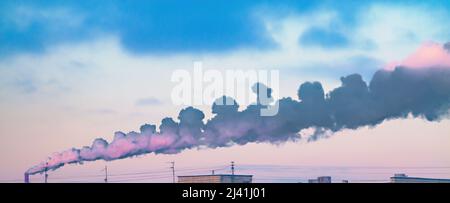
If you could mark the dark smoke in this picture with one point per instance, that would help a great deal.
(390, 94)
(447, 46)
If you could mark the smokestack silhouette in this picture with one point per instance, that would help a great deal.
(389, 95)
(27, 178)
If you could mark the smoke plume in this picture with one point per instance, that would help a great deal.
(390, 94)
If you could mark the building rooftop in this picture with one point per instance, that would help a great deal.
(404, 178)
(215, 178)
(216, 175)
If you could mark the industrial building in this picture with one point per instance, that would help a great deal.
(219, 178)
(321, 179)
(403, 178)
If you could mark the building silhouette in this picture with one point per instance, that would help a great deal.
(403, 178)
(219, 178)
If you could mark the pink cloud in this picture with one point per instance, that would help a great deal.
(428, 55)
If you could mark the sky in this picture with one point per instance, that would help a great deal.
(74, 71)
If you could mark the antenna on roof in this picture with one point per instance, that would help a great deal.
(232, 168)
(106, 174)
(45, 172)
(173, 171)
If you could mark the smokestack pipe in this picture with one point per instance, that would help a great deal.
(27, 178)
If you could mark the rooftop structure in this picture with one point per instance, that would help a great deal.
(219, 178)
(403, 178)
(321, 179)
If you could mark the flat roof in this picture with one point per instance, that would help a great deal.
(216, 175)
(418, 178)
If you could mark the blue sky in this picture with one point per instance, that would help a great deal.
(169, 26)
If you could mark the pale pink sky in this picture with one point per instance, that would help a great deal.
(429, 54)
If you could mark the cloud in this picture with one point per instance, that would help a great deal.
(428, 55)
(30, 28)
(167, 28)
(396, 29)
(25, 16)
(104, 111)
(26, 86)
(447, 46)
(323, 38)
(182, 28)
(364, 65)
(150, 101)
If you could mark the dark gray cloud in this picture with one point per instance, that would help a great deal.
(389, 95)
(447, 46)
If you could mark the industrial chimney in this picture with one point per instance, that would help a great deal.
(27, 178)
